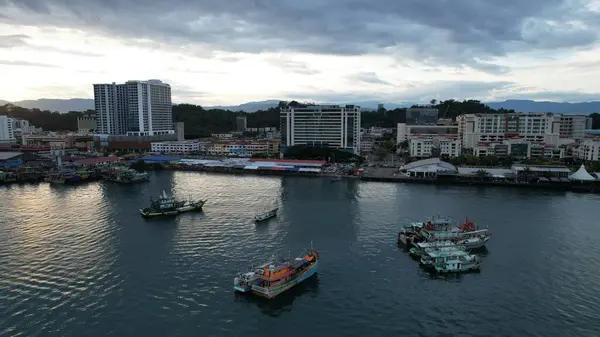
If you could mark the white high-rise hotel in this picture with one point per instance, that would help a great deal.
(136, 108)
(321, 125)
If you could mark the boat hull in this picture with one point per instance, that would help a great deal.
(275, 291)
(257, 219)
(185, 209)
(462, 269)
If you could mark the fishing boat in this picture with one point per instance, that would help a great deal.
(273, 278)
(125, 175)
(266, 215)
(166, 205)
(438, 257)
(457, 264)
(470, 240)
(421, 247)
(444, 229)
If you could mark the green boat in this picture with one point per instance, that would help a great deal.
(166, 205)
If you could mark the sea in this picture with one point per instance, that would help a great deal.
(81, 261)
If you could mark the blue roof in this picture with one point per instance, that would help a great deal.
(160, 158)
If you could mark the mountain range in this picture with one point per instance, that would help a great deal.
(82, 104)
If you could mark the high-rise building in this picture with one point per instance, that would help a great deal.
(6, 130)
(180, 131)
(321, 125)
(110, 101)
(136, 108)
(422, 116)
(475, 129)
(150, 109)
(574, 126)
(241, 124)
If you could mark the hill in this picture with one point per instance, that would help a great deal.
(545, 106)
(60, 105)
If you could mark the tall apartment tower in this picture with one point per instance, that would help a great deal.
(321, 125)
(6, 130)
(110, 101)
(150, 108)
(136, 108)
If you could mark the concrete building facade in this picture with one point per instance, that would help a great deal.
(6, 130)
(136, 108)
(332, 126)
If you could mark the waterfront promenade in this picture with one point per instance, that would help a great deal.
(316, 169)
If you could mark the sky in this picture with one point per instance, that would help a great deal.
(228, 52)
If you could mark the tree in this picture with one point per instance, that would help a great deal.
(482, 174)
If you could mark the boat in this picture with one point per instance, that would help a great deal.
(336, 178)
(470, 240)
(421, 247)
(266, 215)
(273, 278)
(125, 175)
(438, 257)
(166, 205)
(444, 229)
(67, 176)
(457, 264)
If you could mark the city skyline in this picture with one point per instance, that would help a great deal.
(214, 54)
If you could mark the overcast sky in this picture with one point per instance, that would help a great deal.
(234, 51)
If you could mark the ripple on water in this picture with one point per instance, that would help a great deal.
(78, 261)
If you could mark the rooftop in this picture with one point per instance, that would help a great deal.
(289, 161)
(9, 155)
(541, 168)
(429, 165)
(99, 160)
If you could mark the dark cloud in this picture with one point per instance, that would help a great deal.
(368, 77)
(457, 33)
(10, 41)
(27, 64)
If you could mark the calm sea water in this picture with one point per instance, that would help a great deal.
(80, 261)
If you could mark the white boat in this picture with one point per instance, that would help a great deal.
(421, 247)
(458, 264)
(266, 215)
(470, 240)
(432, 257)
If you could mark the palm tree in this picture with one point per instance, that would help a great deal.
(482, 174)
(527, 173)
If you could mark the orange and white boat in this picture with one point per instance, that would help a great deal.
(273, 278)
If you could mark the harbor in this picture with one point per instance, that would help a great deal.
(116, 268)
(430, 171)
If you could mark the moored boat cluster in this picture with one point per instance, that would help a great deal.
(443, 245)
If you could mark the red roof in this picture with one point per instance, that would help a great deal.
(91, 161)
(291, 161)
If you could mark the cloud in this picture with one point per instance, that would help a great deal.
(459, 33)
(19, 40)
(27, 64)
(292, 66)
(10, 41)
(368, 77)
(423, 92)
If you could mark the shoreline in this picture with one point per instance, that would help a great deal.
(578, 187)
(591, 187)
